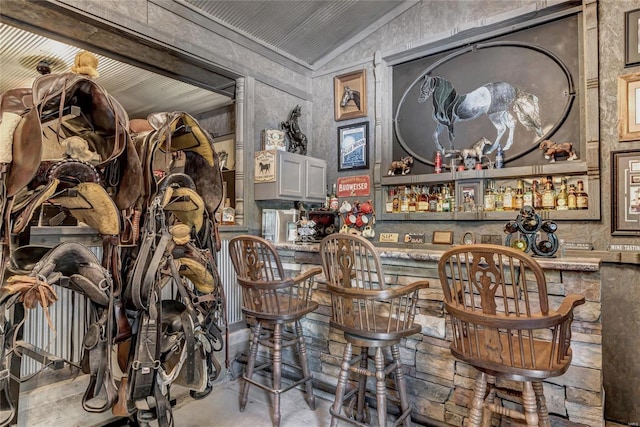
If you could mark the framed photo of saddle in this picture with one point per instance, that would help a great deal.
(350, 95)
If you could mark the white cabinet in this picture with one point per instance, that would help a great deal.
(297, 177)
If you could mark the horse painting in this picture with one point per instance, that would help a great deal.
(493, 99)
(350, 95)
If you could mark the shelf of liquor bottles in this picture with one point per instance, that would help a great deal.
(496, 194)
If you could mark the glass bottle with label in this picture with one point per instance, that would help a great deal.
(572, 201)
(334, 203)
(446, 200)
(388, 206)
(548, 196)
(499, 196)
(527, 197)
(423, 203)
(507, 199)
(413, 200)
(518, 200)
(582, 198)
(562, 201)
(433, 199)
(404, 200)
(396, 200)
(490, 198)
(536, 195)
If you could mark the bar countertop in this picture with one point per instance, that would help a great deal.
(433, 253)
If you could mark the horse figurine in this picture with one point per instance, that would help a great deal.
(552, 150)
(350, 95)
(493, 99)
(297, 140)
(402, 166)
(476, 151)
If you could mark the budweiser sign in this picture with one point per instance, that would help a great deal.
(354, 186)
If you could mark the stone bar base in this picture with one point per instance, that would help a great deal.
(439, 385)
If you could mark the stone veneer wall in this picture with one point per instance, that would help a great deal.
(440, 386)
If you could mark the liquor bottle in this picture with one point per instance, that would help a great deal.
(433, 200)
(518, 200)
(228, 213)
(423, 203)
(388, 206)
(327, 199)
(490, 198)
(446, 199)
(404, 200)
(562, 201)
(499, 196)
(507, 199)
(499, 158)
(440, 200)
(548, 195)
(572, 200)
(537, 196)
(396, 200)
(527, 197)
(413, 200)
(334, 203)
(452, 197)
(582, 198)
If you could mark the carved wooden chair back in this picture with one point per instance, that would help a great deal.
(362, 302)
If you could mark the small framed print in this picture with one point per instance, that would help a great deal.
(469, 193)
(353, 146)
(625, 180)
(273, 139)
(225, 146)
(632, 38)
(442, 238)
(265, 166)
(629, 107)
(350, 95)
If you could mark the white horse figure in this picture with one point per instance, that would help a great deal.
(493, 99)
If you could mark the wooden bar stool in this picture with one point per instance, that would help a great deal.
(372, 315)
(274, 301)
(502, 325)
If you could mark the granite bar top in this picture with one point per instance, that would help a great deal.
(566, 263)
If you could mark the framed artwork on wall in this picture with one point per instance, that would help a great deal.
(225, 146)
(353, 146)
(350, 95)
(625, 180)
(629, 107)
(632, 38)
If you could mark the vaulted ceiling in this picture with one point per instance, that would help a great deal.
(308, 32)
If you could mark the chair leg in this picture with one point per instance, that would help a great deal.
(304, 364)
(253, 352)
(543, 412)
(487, 415)
(401, 384)
(529, 404)
(477, 403)
(362, 386)
(277, 372)
(342, 383)
(381, 388)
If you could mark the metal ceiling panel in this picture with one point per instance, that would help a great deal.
(140, 92)
(304, 29)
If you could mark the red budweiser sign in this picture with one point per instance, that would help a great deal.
(354, 186)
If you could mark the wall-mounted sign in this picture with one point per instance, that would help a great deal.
(388, 237)
(623, 248)
(265, 166)
(354, 186)
(414, 238)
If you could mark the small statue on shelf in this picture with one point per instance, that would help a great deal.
(470, 156)
(402, 166)
(297, 139)
(552, 150)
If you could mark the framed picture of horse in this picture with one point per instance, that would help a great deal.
(629, 107)
(353, 146)
(350, 95)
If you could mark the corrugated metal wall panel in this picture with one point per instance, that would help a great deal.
(70, 316)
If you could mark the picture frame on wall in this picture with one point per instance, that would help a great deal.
(225, 146)
(350, 95)
(625, 180)
(353, 146)
(632, 38)
(629, 107)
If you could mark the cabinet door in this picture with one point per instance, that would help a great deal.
(291, 176)
(316, 185)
